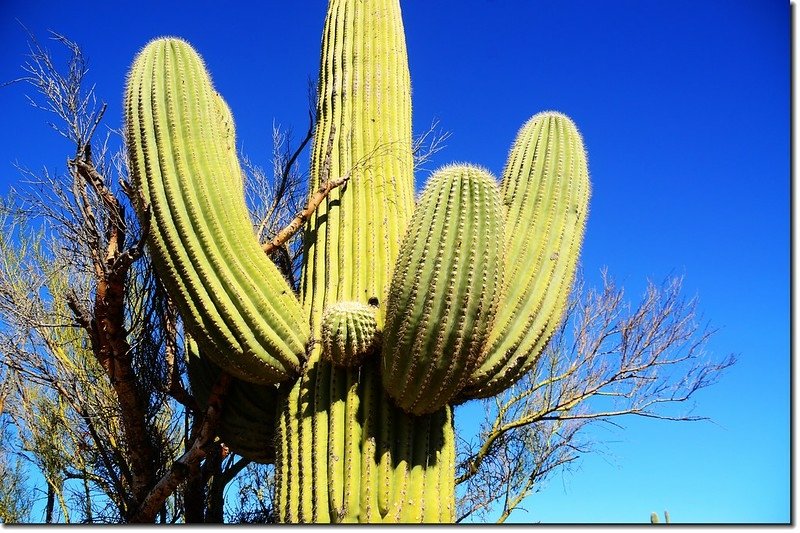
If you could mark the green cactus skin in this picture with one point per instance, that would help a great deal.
(546, 191)
(182, 157)
(445, 289)
(350, 455)
(349, 333)
(247, 424)
(346, 453)
(364, 104)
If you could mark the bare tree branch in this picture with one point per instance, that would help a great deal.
(607, 360)
(180, 468)
(79, 290)
(297, 222)
(429, 143)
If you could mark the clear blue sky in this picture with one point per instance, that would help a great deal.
(684, 108)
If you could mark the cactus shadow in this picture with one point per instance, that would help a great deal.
(383, 429)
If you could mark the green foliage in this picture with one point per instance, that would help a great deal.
(15, 498)
(459, 296)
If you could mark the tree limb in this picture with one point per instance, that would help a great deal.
(297, 222)
(180, 468)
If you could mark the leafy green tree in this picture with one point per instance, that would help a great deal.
(15, 497)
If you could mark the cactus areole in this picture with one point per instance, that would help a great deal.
(405, 308)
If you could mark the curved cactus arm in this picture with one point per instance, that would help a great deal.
(181, 147)
(546, 192)
(445, 289)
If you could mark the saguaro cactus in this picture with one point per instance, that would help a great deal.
(546, 193)
(403, 311)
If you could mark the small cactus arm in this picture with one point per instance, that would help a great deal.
(182, 157)
(349, 333)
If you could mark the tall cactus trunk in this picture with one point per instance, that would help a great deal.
(346, 453)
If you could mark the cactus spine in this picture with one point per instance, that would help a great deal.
(455, 299)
